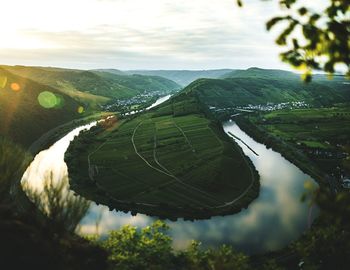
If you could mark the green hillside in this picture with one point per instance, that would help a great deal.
(93, 87)
(170, 162)
(30, 109)
(183, 77)
(249, 90)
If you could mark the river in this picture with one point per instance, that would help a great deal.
(270, 222)
(159, 101)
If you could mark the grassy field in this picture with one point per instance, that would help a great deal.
(164, 165)
(314, 127)
(323, 134)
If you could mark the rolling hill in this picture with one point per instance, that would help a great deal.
(94, 87)
(257, 86)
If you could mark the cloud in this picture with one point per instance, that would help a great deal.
(146, 34)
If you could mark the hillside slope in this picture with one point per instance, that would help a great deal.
(23, 118)
(242, 91)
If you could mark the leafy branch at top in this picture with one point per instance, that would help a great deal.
(314, 41)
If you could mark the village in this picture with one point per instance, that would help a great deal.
(133, 103)
(267, 107)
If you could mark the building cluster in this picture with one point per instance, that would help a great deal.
(275, 106)
(324, 153)
(263, 107)
(127, 104)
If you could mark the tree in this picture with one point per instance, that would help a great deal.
(149, 248)
(314, 40)
(327, 244)
(63, 210)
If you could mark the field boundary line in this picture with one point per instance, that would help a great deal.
(145, 160)
(170, 175)
(90, 170)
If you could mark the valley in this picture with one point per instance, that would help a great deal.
(175, 135)
(183, 162)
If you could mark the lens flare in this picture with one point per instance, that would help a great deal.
(3, 81)
(47, 100)
(60, 101)
(80, 109)
(15, 87)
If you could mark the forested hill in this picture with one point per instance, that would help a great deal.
(94, 87)
(252, 89)
(23, 117)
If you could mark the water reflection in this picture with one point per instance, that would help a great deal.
(159, 101)
(274, 219)
(51, 161)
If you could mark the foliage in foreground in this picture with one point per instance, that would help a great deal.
(150, 248)
(62, 209)
(325, 246)
(29, 240)
(13, 159)
(314, 40)
(26, 242)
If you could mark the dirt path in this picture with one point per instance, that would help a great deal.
(164, 172)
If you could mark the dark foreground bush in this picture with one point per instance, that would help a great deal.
(26, 244)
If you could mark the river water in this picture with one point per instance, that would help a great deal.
(270, 222)
(159, 101)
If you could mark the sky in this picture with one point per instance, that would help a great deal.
(138, 34)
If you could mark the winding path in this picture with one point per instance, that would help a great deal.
(164, 172)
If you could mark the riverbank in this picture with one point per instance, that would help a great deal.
(291, 154)
(45, 141)
(58, 132)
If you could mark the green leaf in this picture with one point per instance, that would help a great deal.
(273, 21)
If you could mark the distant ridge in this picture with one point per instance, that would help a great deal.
(255, 72)
(183, 77)
(111, 70)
